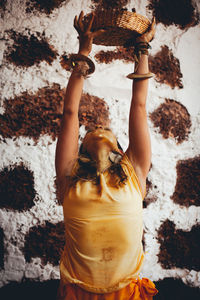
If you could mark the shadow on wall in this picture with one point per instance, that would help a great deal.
(30, 290)
(175, 289)
(169, 289)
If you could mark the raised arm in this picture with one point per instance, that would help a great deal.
(139, 149)
(67, 144)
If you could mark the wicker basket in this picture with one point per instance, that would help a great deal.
(122, 27)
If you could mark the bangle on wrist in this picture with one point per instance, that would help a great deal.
(139, 49)
(139, 76)
(82, 64)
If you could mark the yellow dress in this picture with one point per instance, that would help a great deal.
(103, 253)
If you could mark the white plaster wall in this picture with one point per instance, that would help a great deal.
(108, 82)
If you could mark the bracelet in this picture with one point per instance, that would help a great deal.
(139, 76)
(140, 48)
(84, 65)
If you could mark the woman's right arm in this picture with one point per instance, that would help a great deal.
(67, 144)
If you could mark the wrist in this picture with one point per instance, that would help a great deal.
(85, 53)
(81, 64)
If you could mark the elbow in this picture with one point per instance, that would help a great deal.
(68, 111)
(139, 109)
(139, 105)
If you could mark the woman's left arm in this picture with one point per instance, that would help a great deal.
(139, 149)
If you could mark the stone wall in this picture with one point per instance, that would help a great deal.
(36, 37)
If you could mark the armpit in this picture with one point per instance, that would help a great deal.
(60, 187)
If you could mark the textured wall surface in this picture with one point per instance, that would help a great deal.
(36, 36)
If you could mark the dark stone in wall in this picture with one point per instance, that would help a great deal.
(30, 49)
(143, 241)
(44, 6)
(93, 111)
(30, 290)
(46, 241)
(125, 54)
(149, 199)
(166, 68)
(2, 4)
(33, 115)
(181, 13)
(187, 189)
(1, 248)
(2, 7)
(148, 185)
(110, 4)
(17, 190)
(173, 120)
(175, 289)
(179, 248)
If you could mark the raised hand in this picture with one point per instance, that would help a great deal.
(149, 34)
(85, 35)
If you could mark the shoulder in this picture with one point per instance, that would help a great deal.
(136, 171)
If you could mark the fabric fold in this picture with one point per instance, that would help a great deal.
(138, 289)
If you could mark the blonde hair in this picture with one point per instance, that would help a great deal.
(85, 169)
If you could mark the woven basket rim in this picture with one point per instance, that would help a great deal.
(122, 26)
(120, 18)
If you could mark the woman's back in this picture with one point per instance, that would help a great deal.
(103, 250)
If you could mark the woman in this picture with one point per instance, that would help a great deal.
(102, 188)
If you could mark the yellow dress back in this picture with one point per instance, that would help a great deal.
(103, 226)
